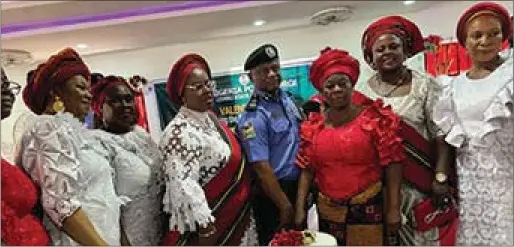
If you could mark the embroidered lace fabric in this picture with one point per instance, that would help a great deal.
(138, 177)
(476, 118)
(73, 171)
(193, 153)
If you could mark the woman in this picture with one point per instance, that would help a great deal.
(136, 161)
(475, 117)
(386, 45)
(345, 150)
(91, 121)
(63, 159)
(207, 182)
(19, 194)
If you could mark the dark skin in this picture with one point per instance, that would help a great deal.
(267, 78)
(75, 93)
(337, 91)
(388, 60)
(389, 55)
(7, 95)
(119, 117)
(198, 95)
(119, 110)
(483, 44)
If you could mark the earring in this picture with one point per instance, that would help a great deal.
(58, 105)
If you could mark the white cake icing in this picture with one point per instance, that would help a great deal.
(323, 239)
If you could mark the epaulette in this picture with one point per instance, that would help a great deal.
(252, 104)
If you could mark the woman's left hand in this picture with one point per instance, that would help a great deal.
(393, 220)
(393, 224)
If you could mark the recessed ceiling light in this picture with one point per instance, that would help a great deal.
(408, 2)
(259, 22)
(82, 46)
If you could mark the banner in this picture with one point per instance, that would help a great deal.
(232, 92)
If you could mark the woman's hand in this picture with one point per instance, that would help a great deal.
(393, 224)
(441, 196)
(393, 220)
(208, 236)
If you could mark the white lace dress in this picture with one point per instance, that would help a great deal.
(476, 117)
(193, 153)
(73, 171)
(138, 177)
(415, 109)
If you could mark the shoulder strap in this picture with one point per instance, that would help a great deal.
(252, 104)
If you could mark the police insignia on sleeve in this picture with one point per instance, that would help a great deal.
(248, 131)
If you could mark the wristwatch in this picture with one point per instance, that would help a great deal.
(441, 177)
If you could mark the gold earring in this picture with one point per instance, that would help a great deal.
(58, 105)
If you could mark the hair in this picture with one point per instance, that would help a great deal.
(311, 106)
(510, 39)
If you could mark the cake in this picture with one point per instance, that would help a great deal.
(302, 238)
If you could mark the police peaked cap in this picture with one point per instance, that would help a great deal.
(264, 54)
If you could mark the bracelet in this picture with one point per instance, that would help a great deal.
(206, 235)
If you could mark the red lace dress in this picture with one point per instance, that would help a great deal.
(19, 195)
(347, 163)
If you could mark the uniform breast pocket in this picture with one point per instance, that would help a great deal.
(279, 131)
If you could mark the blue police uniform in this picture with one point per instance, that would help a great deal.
(269, 131)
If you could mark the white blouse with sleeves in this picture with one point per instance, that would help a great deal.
(476, 117)
(138, 177)
(72, 171)
(193, 153)
(414, 108)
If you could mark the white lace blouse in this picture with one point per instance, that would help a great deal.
(476, 117)
(73, 171)
(416, 107)
(193, 153)
(138, 176)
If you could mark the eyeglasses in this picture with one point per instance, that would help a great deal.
(14, 87)
(200, 86)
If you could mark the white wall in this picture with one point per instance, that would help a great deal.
(227, 53)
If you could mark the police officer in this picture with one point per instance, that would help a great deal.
(269, 132)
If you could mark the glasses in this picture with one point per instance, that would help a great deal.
(200, 86)
(14, 87)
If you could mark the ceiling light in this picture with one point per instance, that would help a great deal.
(259, 22)
(408, 2)
(82, 46)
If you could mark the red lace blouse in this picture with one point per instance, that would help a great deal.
(348, 159)
(19, 195)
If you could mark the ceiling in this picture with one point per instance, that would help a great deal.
(44, 27)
